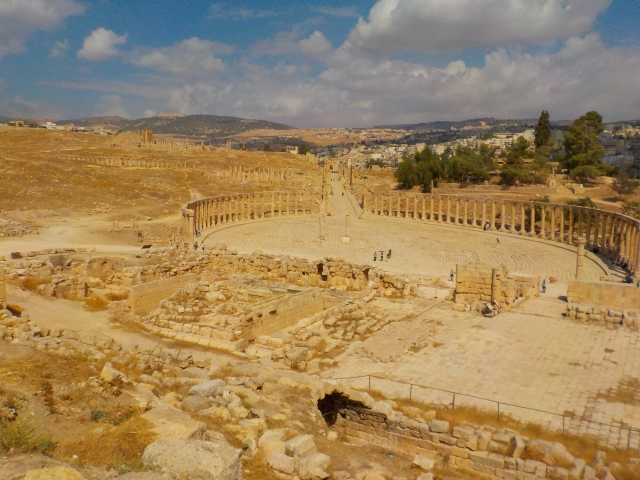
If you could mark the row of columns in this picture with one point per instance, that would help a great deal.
(128, 162)
(244, 174)
(613, 234)
(226, 209)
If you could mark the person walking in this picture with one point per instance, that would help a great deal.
(389, 255)
(498, 239)
(544, 285)
(375, 256)
(195, 246)
(451, 274)
(382, 255)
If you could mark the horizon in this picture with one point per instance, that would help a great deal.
(384, 62)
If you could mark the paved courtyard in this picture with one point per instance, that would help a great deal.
(531, 357)
(419, 248)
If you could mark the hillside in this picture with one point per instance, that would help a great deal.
(190, 125)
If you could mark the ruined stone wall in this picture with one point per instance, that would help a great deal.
(146, 297)
(286, 312)
(494, 453)
(604, 294)
(482, 283)
(3, 289)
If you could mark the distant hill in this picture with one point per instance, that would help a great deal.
(490, 121)
(190, 125)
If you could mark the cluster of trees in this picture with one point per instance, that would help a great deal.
(582, 158)
(426, 169)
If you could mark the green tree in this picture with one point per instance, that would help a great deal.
(582, 202)
(423, 168)
(543, 130)
(623, 184)
(304, 149)
(584, 173)
(581, 142)
(514, 169)
(632, 209)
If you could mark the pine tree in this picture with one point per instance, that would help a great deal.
(543, 130)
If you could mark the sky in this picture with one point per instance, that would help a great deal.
(323, 62)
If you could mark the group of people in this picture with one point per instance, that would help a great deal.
(375, 256)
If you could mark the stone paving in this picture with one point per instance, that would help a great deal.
(419, 248)
(529, 357)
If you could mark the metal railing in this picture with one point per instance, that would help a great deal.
(621, 428)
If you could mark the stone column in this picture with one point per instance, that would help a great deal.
(523, 220)
(484, 213)
(571, 225)
(188, 226)
(553, 224)
(415, 207)
(580, 225)
(375, 204)
(440, 208)
(431, 214)
(273, 200)
(492, 222)
(457, 219)
(398, 205)
(580, 274)
(424, 205)
(287, 203)
(561, 224)
(466, 211)
(589, 242)
(448, 209)
(596, 229)
(475, 212)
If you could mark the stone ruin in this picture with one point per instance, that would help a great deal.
(477, 284)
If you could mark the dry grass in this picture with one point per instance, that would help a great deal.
(119, 447)
(95, 303)
(22, 436)
(32, 283)
(627, 392)
(580, 446)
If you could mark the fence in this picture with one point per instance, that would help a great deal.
(617, 436)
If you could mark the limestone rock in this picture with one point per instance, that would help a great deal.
(194, 403)
(210, 388)
(301, 446)
(439, 426)
(281, 462)
(194, 459)
(314, 466)
(109, 374)
(424, 463)
(297, 354)
(171, 422)
(425, 476)
(54, 473)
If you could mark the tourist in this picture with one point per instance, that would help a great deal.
(382, 255)
(498, 239)
(203, 248)
(544, 285)
(389, 255)
(375, 256)
(451, 274)
(195, 246)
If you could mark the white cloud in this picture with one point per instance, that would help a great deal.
(111, 106)
(59, 49)
(192, 57)
(359, 91)
(315, 46)
(149, 113)
(222, 10)
(101, 45)
(344, 12)
(19, 19)
(444, 26)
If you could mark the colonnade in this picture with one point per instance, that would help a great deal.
(128, 162)
(243, 174)
(227, 209)
(613, 234)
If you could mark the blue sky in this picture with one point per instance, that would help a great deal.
(322, 63)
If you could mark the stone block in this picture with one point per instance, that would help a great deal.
(281, 463)
(439, 426)
(302, 445)
(314, 465)
(424, 463)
